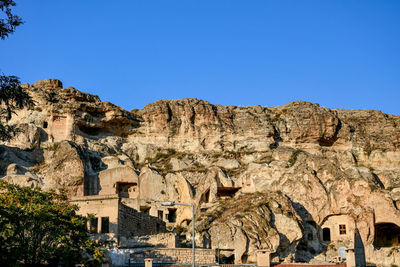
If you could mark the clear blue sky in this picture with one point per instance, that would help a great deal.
(338, 53)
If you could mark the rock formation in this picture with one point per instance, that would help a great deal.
(297, 179)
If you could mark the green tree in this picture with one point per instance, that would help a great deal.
(38, 228)
(12, 96)
(10, 21)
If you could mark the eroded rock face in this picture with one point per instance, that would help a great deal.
(260, 177)
(255, 221)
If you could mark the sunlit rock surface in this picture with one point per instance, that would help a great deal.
(279, 178)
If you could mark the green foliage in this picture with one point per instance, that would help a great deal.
(11, 94)
(162, 157)
(9, 21)
(53, 147)
(161, 161)
(12, 97)
(39, 228)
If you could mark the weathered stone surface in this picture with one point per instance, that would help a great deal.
(260, 177)
(48, 84)
(62, 167)
(28, 136)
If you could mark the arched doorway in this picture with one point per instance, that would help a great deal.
(386, 235)
(326, 234)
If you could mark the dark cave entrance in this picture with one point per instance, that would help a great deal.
(386, 235)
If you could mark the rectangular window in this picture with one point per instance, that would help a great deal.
(342, 229)
(171, 215)
(93, 225)
(105, 224)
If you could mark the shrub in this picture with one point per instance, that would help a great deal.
(42, 228)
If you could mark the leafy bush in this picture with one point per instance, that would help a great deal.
(38, 228)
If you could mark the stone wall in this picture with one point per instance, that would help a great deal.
(134, 223)
(109, 179)
(61, 127)
(100, 207)
(334, 223)
(174, 255)
(162, 240)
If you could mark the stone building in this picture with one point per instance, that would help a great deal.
(120, 208)
(337, 228)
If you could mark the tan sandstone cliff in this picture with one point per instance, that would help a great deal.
(260, 177)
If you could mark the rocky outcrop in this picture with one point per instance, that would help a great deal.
(261, 221)
(260, 177)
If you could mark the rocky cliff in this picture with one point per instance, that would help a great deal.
(260, 177)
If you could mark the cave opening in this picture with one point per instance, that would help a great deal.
(386, 235)
(90, 130)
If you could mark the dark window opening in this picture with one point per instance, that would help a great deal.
(160, 214)
(138, 226)
(45, 124)
(342, 229)
(172, 215)
(105, 225)
(93, 225)
(157, 228)
(226, 259)
(326, 234)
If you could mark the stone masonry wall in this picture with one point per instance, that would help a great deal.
(174, 255)
(163, 240)
(134, 223)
